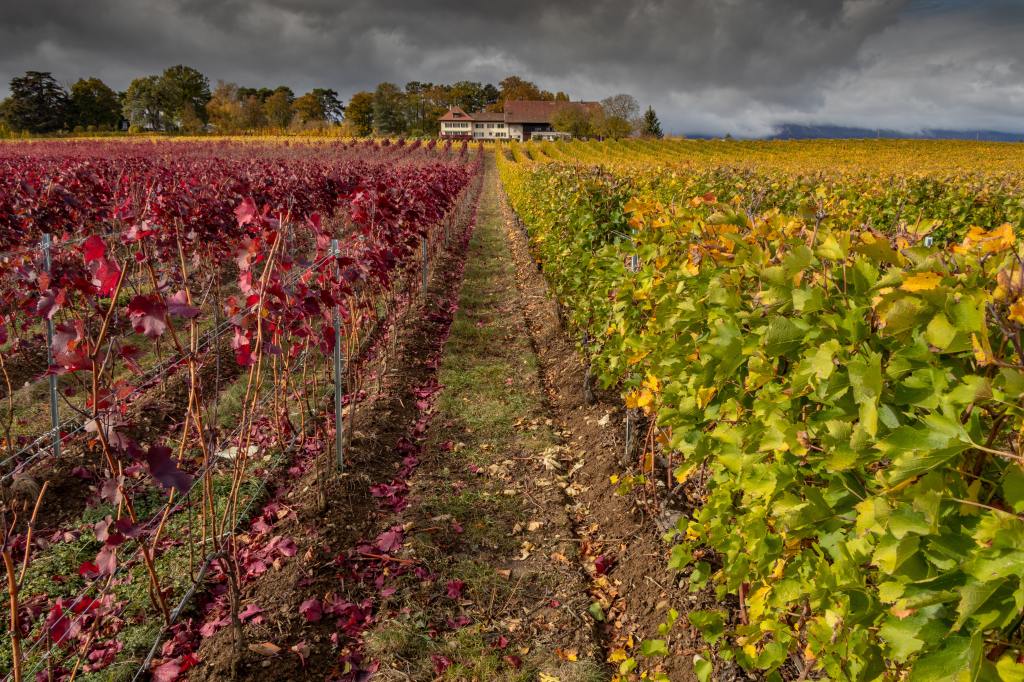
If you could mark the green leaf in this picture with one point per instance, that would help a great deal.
(958, 660)
(1009, 669)
(866, 377)
(940, 332)
(702, 668)
(973, 596)
(783, 336)
(1013, 487)
(597, 612)
(901, 636)
(654, 647)
(710, 623)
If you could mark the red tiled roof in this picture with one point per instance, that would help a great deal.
(488, 116)
(534, 111)
(456, 114)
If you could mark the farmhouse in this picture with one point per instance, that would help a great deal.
(521, 120)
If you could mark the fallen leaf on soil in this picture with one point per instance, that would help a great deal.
(534, 525)
(265, 648)
(249, 611)
(302, 650)
(567, 654)
(312, 610)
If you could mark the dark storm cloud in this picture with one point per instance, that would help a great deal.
(707, 65)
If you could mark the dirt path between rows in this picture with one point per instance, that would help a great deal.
(477, 534)
(633, 585)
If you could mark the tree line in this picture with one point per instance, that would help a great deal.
(178, 100)
(181, 100)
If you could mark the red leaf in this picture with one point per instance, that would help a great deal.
(441, 663)
(177, 305)
(246, 212)
(167, 672)
(106, 560)
(390, 541)
(165, 471)
(149, 315)
(88, 570)
(312, 610)
(249, 611)
(455, 589)
(602, 564)
(106, 277)
(47, 305)
(301, 650)
(93, 248)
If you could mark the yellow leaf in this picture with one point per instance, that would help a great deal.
(645, 398)
(633, 399)
(704, 396)
(982, 350)
(614, 478)
(544, 677)
(567, 654)
(921, 281)
(633, 206)
(992, 241)
(1017, 311)
(634, 359)
(652, 383)
(617, 656)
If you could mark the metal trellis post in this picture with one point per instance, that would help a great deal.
(339, 371)
(54, 407)
(423, 242)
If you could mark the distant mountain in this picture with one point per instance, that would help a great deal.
(794, 131)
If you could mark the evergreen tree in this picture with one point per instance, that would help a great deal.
(38, 103)
(650, 126)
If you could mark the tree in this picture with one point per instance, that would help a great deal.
(309, 110)
(224, 110)
(278, 107)
(561, 96)
(514, 87)
(490, 95)
(332, 108)
(574, 120)
(185, 92)
(388, 104)
(614, 127)
(144, 103)
(650, 126)
(38, 103)
(622, 106)
(253, 114)
(94, 104)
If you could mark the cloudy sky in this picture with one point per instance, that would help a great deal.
(707, 66)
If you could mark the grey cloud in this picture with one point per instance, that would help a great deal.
(711, 66)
